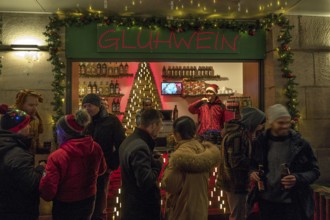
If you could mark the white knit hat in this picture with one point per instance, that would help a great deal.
(277, 111)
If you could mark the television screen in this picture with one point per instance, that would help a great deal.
(171, 88)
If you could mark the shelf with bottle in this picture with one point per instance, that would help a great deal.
(202, 95)
(105, 69)
(106, 89)
(191, 73)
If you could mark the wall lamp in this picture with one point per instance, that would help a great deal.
(23, 47)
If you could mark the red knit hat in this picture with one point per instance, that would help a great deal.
(213, 87)
(74, 124)
(13, 119)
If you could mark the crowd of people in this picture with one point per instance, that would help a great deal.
(92, 143)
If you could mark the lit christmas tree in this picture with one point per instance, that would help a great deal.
(144, 86)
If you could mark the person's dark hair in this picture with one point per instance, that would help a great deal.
(146, 100)
(185, 126)
(150, 116)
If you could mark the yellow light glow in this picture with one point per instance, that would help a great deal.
(278, 3)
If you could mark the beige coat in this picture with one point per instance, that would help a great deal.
(186, 180)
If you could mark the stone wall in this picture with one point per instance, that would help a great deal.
(20, 71)
(311, 47)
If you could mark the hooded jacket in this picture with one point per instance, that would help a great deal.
(302, 164)
(186, 180)
(234, 163)
(19, 196)
(109, 133)
(72, 171)
(211, 116)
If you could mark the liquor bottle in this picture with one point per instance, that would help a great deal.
(175, 113)
(83, 89)
(284, 172)
(106, 89)
(82, 69)
(89, 87)
(211, 71)
(104, 69)
(164, 71)
(126, 68)
(94, 88)
(116, 69)
(116, 87)
(112, 88)
(113, 105)
(118, 105)
(93, 67)
(98, 69)
(169, 72)
(88, 69)
(121, 68)
(261, 182)
(101, 89)
(110, 70)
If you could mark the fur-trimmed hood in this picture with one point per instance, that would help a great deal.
(193, 161)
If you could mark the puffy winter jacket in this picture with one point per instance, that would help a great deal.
(72, 171)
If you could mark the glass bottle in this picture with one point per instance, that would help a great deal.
(285, 171)
(104, 69)
(112, 88)
(116, 87)
(175, 113)
(261, 182)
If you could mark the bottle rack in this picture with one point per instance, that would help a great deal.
(103, 69)
(122, 75)
(188, 71)
(202, 95)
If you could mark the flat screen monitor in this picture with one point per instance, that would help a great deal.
(171, 88)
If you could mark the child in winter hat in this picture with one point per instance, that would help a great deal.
(71, 126)
(13, 120)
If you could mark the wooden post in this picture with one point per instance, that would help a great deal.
(316, 205)
(322, 206)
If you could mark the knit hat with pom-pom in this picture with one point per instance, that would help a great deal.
(74, 124)
(13, 120)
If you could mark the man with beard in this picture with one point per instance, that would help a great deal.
(285, 197)
(28, 101)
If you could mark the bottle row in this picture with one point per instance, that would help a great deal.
(115, 105)
(188, 71)
(99, 88)
(89, 69)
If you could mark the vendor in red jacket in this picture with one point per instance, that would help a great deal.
(72, 170)
(210, 110)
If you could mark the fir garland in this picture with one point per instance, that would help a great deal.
(179, 25)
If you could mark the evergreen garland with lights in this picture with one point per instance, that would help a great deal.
(177, 25)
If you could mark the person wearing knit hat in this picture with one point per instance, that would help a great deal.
(235, 151)
(210, 110)
(109, 133)
(72, 170)
(277, 111)
(19, 178)
(280, 149)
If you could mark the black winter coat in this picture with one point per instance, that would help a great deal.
(139, 173)
(302, 164)
(19, 196)
(108, 132)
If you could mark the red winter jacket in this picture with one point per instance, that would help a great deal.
(211, 116)
(72, 171)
